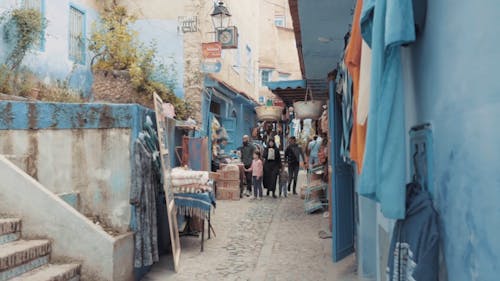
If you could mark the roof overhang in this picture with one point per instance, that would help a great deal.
(295, 90)
(229, 91)
(320, 27)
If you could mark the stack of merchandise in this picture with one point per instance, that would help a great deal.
(314, 194)
(228, 183)
(188, 181)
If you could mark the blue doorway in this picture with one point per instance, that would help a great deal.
(342, 184)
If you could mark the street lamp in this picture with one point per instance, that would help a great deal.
(220, 16)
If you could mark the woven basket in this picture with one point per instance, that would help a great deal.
(308, 109)
(269, 113)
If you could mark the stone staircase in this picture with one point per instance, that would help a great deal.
(28, 260)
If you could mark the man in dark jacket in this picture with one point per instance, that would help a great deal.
(293, 154)
(247, 150)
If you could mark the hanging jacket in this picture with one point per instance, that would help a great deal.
(414, 250)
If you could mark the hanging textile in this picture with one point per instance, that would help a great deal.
(145, 182)
(414, 250)
(151, 142)
(295, 128)
(346, 102)
(364, 84)
(386, 25)
(353, 63)
(185, 151)
(194, 204)
(324, 121)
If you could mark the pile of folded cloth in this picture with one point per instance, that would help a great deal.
(189, 181)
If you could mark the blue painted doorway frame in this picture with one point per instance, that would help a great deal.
(342, 185)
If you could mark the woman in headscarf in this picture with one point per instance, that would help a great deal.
(272, 164)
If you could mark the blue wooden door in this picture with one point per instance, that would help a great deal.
(230, 125)
(210, 119)
(342, 185)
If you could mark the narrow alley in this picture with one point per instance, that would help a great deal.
(151, 140)
(272, 239)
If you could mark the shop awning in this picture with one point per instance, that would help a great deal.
(320, 29)
(295, 90)
(226, 89)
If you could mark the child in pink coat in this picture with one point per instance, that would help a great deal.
(257, 169)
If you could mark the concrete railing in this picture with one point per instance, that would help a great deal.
(75, 237)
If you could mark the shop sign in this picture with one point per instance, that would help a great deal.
(188, 24)
(278, 102)
(211, 50)
(211, 66)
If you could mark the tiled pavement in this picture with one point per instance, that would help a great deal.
(272, 239)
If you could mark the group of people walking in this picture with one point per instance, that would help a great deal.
(266, 168)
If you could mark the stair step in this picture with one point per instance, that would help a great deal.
(9, 225)
(22, 256)
(10, 230)
(52, 272)
(26, 267)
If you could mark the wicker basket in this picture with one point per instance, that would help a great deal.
(269, 113)
(308, 109)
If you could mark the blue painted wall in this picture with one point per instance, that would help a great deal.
(52, 63)
(229, 101)
(366, 249)
(170, 45)
(452, 81)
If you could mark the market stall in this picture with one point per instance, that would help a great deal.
(305, 117)
(194, 199)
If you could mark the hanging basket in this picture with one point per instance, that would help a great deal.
(268, 113)
(308, 109)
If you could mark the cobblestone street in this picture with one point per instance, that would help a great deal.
(272, 239)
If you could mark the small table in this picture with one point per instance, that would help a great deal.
(196, 205)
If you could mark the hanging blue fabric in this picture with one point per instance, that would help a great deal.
(347, 121)
(385, 26)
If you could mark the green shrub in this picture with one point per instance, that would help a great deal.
(117, 48)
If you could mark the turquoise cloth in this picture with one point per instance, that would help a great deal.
(385, 26)
(194, 204)
(314, 147)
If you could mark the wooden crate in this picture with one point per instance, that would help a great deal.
(214, 176)
(228, 184)
(228, 193)
(229, 175)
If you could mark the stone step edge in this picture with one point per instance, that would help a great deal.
(10, 225)
(23, 268)
(25, 255)
(10, 237)
(52, 272)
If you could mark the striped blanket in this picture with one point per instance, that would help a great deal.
(194, 204)
(192, 188)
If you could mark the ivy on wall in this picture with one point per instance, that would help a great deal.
(21, 29)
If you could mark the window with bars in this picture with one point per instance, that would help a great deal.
(237, 58)
(32, 4)
(76, 35)
(39, 6)
(279, 20)
(265, 77)
(249, 66)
